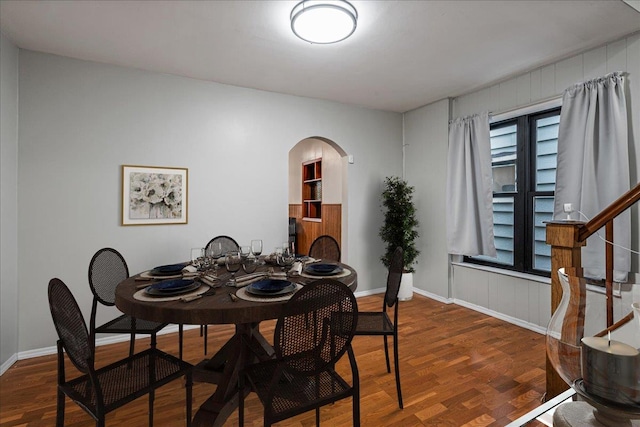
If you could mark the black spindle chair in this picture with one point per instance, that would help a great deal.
(100, 391)
(313, 332)
(325, 247)
(106, 269)
(379, 323)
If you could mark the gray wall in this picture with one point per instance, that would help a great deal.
(9, 202)
(80, 121)
(522, 299)
(426, 132)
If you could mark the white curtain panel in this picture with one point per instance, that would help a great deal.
(469, 192)
(593, 165)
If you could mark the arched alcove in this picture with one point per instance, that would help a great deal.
(325, 154)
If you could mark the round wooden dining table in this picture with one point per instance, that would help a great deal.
(246, 346)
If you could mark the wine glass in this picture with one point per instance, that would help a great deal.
(248, 261)
(277, 252)
(215, 250)
(250, 264)
(256, 249)
(245, 251)
(285, 259)
(210, 258)
(215, 253)
(289, 247)
(206, 261)
(233, 262)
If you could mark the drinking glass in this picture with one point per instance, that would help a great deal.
(245, 251)
(208, 254)
(206, 261)
(215, 250)
(215, 253)
(276, 254)
(233, 262)
(197, 256)
(289, 247)
(250, 264)
(256, 249)
(285, 259)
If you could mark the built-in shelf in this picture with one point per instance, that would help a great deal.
(312, 190)
(312, 219)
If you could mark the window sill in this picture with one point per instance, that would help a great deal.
(503, 272)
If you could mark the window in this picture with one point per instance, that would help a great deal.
(524, 154)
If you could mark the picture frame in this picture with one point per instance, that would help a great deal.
(153, 195)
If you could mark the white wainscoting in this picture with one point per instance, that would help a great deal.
(520, 300)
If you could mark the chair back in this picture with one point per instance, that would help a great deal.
(106, 269)
(394, 277)
(70, 325)
(325, 247)
(228, 244)
(316, 327)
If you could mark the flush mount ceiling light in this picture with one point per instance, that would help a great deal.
(324, 21)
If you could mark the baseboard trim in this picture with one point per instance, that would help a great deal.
(433, 296)
(369, 292)
(174, 328)
(6, 365)
(415, 290)
(45, 351)
(518, 322)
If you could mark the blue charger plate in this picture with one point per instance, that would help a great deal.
(167, 269)
(172, 287)
(271, 287)
(322, 269)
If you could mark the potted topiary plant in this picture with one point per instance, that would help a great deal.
(400, 229)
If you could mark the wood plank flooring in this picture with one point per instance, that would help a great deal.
(458, 368)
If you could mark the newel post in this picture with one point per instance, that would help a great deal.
(565, 252)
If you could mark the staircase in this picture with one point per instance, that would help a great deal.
(567, 239)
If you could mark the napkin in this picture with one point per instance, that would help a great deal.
(248, 279)
(211, 281)
(296, 269)
(189, 270)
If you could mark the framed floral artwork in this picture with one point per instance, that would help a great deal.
(154, 195)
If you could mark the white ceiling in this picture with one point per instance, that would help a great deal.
(404, 54)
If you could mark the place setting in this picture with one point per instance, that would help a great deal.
(268, 290)
(323, 269)
(173, 289)
(172, 282)
(164, 272)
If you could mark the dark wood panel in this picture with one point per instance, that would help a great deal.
(332, 221)
(458, 367)
(330, 224)
(309, 230)
(295, 211)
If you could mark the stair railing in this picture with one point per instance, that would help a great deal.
(567, 239)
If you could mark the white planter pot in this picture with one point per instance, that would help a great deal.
(406, 287)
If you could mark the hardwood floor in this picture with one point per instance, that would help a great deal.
(458, 368)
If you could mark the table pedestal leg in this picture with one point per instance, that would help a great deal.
(245, 347)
